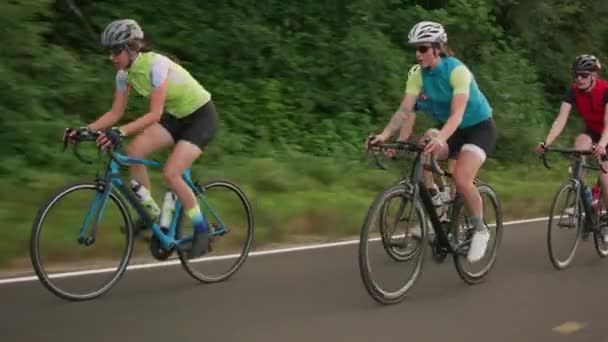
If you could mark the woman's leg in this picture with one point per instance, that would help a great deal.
(152, 139)
(478, 142)
(465, 170)
(183, 155)
(429, 179)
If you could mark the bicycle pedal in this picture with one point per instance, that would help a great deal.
(438, 252)
(403, 244)
(463, 247)
(155, 247)
(214, 227)
(566, 225)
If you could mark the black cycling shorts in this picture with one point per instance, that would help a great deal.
(480, 138)
(198, 128)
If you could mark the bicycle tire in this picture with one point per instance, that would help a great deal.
(372, 287)
(571, 188)
(385, 235)
(601, 222)
(244, 252)
(35, 255)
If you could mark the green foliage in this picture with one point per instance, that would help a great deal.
(306, 77)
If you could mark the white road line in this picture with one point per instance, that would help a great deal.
(252, 254)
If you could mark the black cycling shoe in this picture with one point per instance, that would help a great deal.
(139, 227)
(200, 245)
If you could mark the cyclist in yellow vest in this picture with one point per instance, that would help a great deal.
(181, 114)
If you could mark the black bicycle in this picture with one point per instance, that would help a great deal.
(402, 214)
(572, 212)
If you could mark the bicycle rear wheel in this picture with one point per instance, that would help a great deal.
(54, 237)
(230, 218)
(473, 273)
(601, 222)
(397, 202)
(565, 219)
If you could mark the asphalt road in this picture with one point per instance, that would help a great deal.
(317, 295)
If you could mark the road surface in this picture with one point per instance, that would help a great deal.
(317, 295)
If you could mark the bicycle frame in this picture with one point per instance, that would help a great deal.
(577, 179)
(579, 183)
(112, 180)
(420, 190)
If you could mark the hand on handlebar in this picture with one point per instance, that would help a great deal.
(599, 151)
(434, 145)
(70, 135)
(111, 137)
(541, 148)
(73, 133)
(375, 139)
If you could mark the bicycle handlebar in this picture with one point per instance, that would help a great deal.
(84, 136)
(406, 146)
(570, 151)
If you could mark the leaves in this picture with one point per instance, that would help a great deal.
(313, 77)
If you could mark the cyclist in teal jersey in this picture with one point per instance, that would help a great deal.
(442, 87)
(181, 114)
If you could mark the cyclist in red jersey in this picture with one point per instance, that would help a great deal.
(589, 94)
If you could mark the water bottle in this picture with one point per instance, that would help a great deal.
(436, 196)
(168, 209)
(446, 194)
(145, 198)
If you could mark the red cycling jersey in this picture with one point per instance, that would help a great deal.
(591, 105)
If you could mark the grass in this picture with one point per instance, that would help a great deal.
(294, 197)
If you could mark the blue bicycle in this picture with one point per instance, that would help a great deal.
(97, 242)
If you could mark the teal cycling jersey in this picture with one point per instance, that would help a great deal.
(436, 87)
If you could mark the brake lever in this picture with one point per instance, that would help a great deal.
(79, 156)
(544, 158)
(66, 138)
(435, 166)
(376, 151)
(599, 162)
(82, 136)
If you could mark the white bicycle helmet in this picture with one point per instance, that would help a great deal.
(121, 32)
(427, 32)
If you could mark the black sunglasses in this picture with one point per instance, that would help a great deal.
(583, 75)
(116, 50)
(423, 48)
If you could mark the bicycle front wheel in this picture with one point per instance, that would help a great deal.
(71, 261)
(391, 220)
(565, 226)
(392, 244)
(230, 219)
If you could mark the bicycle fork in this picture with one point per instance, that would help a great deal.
(95, 212)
